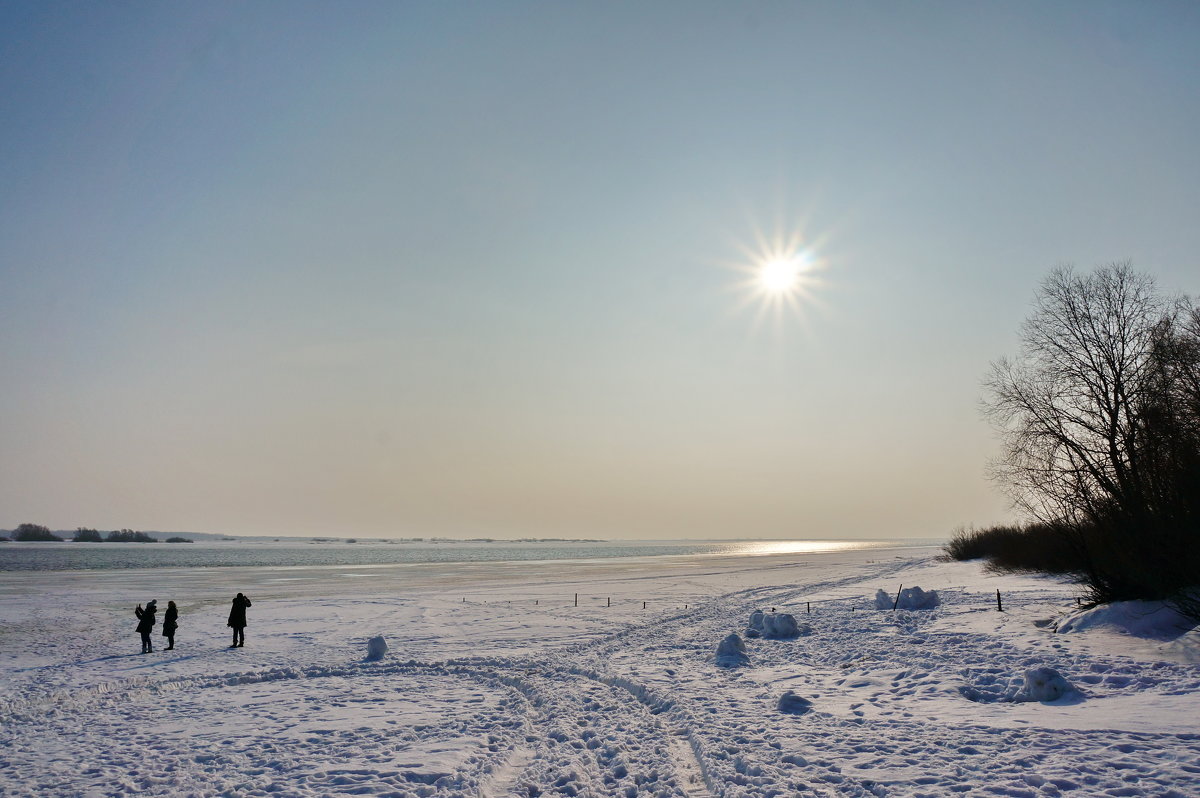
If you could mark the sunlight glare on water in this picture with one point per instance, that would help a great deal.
(759, 547)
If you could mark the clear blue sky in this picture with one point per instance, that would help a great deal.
(412, 269)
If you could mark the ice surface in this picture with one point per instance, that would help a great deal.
(497, 684)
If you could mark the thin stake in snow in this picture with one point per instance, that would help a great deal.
(808, 607)
(999, 603)
(609, 601)
(895, 603)
(576, 599)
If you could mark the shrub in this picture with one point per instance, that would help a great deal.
(1033, 548)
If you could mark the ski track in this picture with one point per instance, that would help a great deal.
(637, 711)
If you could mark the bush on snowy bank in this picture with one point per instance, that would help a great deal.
(911, 598)
(1032, 548)
(1092, 554)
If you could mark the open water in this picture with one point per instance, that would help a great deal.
(68, 556)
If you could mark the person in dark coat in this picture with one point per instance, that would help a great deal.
(146, 624)
(170, 624)
(237, 620)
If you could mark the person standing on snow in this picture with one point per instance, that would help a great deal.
(170, 624)
(237, 620)
(146, 624)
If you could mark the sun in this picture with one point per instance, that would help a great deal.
(779, 276)
(782, 276)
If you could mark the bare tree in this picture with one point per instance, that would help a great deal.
(1100, 417)
(1068, 406)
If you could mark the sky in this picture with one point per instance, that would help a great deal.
(406, 269)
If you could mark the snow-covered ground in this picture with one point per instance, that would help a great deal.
(496, 684)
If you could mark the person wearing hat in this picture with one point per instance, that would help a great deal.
(146, 624)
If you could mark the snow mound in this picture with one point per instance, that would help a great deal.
(911, 598)
(993, 685)
(754, 628)
(731, 653)
(376, 647)
(1150, 619)
(792, 704)
(1044, 684)
(775, 625)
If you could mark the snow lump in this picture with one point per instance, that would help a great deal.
(911, 598)
(775, 625)
(376, 647)
(1044, 684)
(792, 704)
(731, 653)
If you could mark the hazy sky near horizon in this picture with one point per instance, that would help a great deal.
(412, 269)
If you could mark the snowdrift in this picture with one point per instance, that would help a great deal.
(792, 704)
(1044, 684)
(1149, 619)
(376, 648)
(911, 598)
(775, 625)
(731, 653)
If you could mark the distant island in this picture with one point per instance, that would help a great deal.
(39, 533)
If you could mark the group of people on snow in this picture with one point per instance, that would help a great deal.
(146, 621)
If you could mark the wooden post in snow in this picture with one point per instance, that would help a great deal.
(896, 603)
(999, 603)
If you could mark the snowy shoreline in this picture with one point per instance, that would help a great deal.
(497, 684)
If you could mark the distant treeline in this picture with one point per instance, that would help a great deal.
(37, 532)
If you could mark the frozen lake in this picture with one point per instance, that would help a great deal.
(498, 684)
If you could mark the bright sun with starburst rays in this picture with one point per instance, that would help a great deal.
(780, 276)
